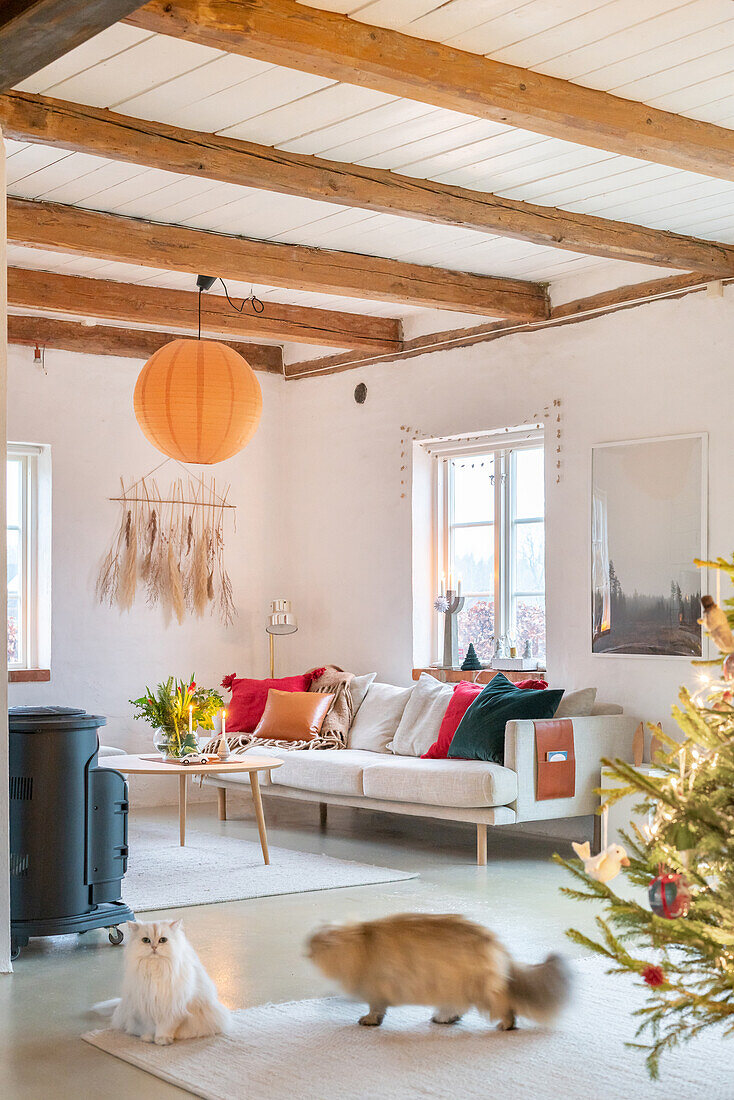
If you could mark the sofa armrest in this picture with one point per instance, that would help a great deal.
(594, 737)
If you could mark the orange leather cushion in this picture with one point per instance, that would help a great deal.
(293, 715)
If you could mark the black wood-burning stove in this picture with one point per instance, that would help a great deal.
(68, 827)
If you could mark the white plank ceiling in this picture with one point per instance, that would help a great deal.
(674, 54)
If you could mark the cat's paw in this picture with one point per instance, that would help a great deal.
(148, 1037)
(372, 1019)
(163, 1040)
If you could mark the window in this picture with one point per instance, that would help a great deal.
(28, 548)
(492, 539)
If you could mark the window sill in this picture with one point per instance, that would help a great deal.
(454, 675)
(29, 675)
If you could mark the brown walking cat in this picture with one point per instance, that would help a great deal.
(443, 960)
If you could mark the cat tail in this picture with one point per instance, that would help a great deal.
(105, 1008)
(539, 992)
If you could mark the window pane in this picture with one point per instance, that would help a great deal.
(15, 641)
(528, 615)
(473, 558)
(476, 624)
(529, 483)
(473, 489)
(15, 491)
(529, 564)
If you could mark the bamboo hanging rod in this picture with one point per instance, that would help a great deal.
(186, 503)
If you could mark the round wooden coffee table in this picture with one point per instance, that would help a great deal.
(153, 765)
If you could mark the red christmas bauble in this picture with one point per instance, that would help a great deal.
(669, 895)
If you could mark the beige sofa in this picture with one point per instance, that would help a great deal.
(457, 790)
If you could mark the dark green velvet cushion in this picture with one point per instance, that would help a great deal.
(481, 732)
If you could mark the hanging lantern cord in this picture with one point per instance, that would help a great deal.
(257, 305)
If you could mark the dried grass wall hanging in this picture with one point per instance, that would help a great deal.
(168, 549)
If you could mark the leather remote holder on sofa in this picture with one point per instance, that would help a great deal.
(555, 758)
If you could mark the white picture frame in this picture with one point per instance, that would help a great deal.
(649, 508)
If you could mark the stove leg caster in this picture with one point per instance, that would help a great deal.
(16, 947)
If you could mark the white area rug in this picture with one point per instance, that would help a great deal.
(211, 868)
(314, 1050)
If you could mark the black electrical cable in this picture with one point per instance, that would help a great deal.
(257, 305)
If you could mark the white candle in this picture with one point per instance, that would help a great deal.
(224, 715)
(443, 584)
(451, 582)
(458, 586)
(191, 719)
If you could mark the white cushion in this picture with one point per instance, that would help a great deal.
(358, 688)
(109, 750)
(422, 717)
(333, 771)
(576, 704)
(377, 719)
(440, 782)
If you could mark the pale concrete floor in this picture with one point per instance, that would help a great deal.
(253, 949)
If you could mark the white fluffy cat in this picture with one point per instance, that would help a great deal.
(166, 992)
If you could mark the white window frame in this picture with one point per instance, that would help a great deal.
(500, 445)
(30, 625)
(512, 523)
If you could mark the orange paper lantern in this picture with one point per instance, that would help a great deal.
(198, 401)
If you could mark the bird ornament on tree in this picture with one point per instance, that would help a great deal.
(606, 865)
(716, 624)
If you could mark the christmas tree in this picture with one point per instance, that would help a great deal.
(471, 662)
(680, 940)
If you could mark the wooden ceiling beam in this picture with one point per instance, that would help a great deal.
(178, 248)
(331, 45)
(43, 120)
(581, 309)
(129, 343)
(33, 33)
(178, 309)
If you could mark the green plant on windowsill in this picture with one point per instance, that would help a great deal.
(175, 710)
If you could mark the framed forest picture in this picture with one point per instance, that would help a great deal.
(648, 523)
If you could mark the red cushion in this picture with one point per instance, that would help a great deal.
(464, 695)
(250, 696)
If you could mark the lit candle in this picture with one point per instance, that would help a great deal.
(443, 584)
(224, 715)
(458, 586)
(451, 582)
(191, 718)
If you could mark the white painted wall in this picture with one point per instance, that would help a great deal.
(321, 519)
(100, 657)
(661, 369)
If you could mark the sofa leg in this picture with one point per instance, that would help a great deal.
(322, 815)
(222, 803)
(481, 845)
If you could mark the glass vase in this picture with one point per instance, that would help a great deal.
(161, 743)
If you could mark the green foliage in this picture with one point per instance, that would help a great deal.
(168, 708)
(690, 808)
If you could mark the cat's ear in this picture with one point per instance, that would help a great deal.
(132, 927)
(176, 925)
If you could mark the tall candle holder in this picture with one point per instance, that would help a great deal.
(450, 605)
